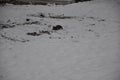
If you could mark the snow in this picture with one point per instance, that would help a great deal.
(86, 49)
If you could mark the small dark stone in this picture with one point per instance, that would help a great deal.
(42, 15)
(57, 27)
(27, 19)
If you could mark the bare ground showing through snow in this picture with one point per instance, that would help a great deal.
(74, 42)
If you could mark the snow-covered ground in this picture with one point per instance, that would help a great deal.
(87, 48)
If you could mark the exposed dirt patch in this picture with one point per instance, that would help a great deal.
(2, 26)
(38, 33)
(57, 27)
(13, 39)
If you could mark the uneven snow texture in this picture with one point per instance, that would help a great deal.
(88, 47)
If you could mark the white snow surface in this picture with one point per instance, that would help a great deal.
(88, 47)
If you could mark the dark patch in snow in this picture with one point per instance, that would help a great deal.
(90, 30)
(42, 15)
(91, 17)
(100, 20)
(92, 24)
(44, 32)
(59, 37)
(96, 33)
(33, 34)
(30, 23)
(62, 17)
(57, 27)
(51, 37)
(2, 26)
(8, 21)
(72, 37)
(96, 18)
(34, 22)
(38, 33)
(27, 19)
(37, 15)
(13, 39)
